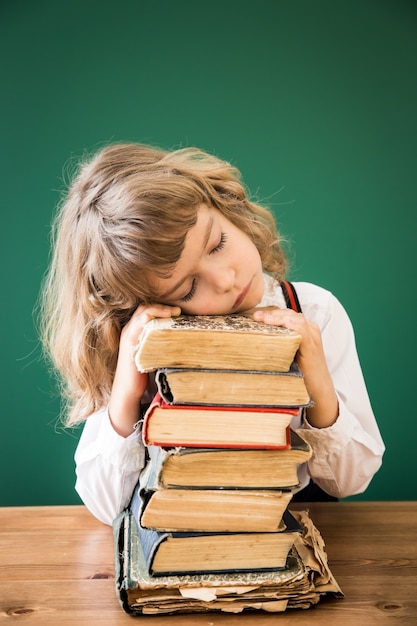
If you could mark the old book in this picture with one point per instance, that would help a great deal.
(211, 468)
(169, 552)
(215, 342)
(216, 426)
(233, 387)
(180, 552)
(211, 510)
(301, 584)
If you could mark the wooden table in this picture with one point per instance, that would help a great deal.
(56, 568)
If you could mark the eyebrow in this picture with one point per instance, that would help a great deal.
(168, 293)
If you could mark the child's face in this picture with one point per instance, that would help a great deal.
(219, 271)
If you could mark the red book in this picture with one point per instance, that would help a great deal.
(206, 426)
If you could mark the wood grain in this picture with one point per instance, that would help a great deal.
(56, 567)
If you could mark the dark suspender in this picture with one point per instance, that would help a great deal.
(312, 492)
(290, 295)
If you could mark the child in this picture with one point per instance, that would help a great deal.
(145, 233)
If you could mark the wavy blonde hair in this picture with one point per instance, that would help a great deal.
(124, 219)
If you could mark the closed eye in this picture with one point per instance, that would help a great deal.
(191, 293)
(221, 244)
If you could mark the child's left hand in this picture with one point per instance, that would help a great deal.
(311, 360)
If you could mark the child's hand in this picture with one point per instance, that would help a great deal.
(129, 385)
(310, 357)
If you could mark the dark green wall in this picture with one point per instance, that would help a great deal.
(314, 101)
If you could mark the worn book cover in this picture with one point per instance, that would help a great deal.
(210, 510)
(217, 468)
(176, 552)
(206, 426)
(233, 387)
(215, 342)
(304, 581)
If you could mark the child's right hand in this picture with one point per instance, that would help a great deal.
(129, 385)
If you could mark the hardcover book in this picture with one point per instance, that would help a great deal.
(217, 468)
(233, 387)
(215, 342)
(168, 552)
(211, 510)
(206, 426)
(301, 584)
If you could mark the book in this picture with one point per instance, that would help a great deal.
(170, 552)
(301, 584)
(211, 468)
(233, 387)
(212, 510)
(180, 553)
(206, 426)
(215, 342)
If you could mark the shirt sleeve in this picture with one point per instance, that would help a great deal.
(107, 467)
(347, 454)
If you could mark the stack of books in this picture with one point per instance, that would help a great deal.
(209, 527)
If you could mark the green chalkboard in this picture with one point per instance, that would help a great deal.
(314, 101)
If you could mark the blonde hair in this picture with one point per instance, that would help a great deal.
(124, 219)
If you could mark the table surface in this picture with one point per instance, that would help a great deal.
(56, 568)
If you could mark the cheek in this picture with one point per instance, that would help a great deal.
(248, 253)
(256, 256)
(206, 306)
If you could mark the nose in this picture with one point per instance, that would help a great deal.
(221, 279)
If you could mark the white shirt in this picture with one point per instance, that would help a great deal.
(345, 456)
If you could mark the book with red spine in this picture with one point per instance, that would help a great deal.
(206, 426)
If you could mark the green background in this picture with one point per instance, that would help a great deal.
(315, 102)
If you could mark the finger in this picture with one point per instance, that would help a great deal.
(163, 310)
(148, 312)
(143, 315)
(276, 316)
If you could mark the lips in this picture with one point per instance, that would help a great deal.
(242, 296)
